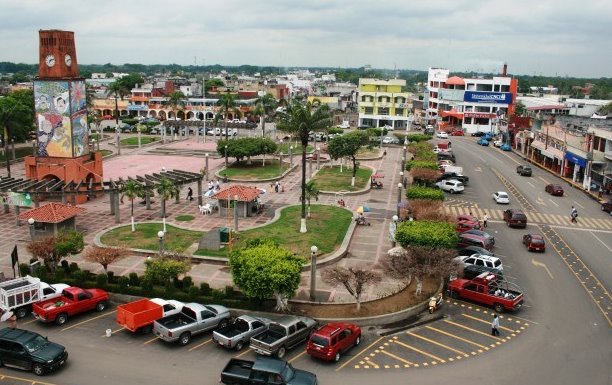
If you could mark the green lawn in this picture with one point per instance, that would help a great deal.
(106, 152)
(185, 218)
(254, 171)
(331, 179)
(133, 141)
(365, 152)
(145, 237)
(20, 152)
(284, 148)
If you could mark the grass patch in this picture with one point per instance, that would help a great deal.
(133, 141)
(297, 149)
(20, 152)
(368, 152)
(254, 171)
(145, 237)
(185, 218)
(106, 152)
(331, 179)
(212, 253)
(326, 229)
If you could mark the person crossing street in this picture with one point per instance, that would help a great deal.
(574, 215)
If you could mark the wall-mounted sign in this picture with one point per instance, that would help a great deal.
(487, 97)
(484, 115)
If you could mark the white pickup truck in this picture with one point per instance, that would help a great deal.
(18, 295)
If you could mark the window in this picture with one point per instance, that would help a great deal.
(48, 291)
(206, 314)
(471, 287)
(334, 340)
(345, 333)
(369, 110)
(479, 262)
(83, 296)
(292, 329)
(301, 325)
(399, 111)
(168, 307)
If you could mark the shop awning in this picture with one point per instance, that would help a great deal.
(453, 113)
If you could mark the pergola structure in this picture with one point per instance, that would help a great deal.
(53, 189)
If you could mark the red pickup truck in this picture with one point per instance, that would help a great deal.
(73, 301)
(487, 289)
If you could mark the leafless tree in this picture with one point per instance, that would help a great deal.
(104, 255)
(355, 280)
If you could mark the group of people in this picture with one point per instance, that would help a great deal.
(277, 187)
(212, 185)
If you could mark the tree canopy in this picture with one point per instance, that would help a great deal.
(347, 146)
(246, 147)
(426, 233)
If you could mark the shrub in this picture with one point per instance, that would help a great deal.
(124, 283)
(426, 233)
(134, 279)
(65, 266)
(424, 176)
(217, 295)
(205, 288)
(229, 291)
(102, 280)
(111, 277)
(421, 164)
(59, 275)
(432, 210)
(400, 136)
(418, 137)
(187, 283)
(419, 192)
(41, 272)
(80, 276)
(146, 285)
(193, 292)
(24, 269)
(428, 156)
(334, 130)
(74, 267)
(169, 287)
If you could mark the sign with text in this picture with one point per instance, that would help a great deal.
(487, 97)
(485, 115)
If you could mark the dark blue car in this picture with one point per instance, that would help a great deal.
(483, 142)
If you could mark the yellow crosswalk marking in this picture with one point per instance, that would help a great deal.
(420, 351)
(436, 343)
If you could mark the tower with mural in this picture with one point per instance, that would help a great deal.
(60, 101)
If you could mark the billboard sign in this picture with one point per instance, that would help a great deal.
(487, 97)
(16, 199)
(484, 115)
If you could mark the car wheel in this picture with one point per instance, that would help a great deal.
(604, 209)
(357, 340)
(38, 369)
(101, 306)
(281, 352)
(61, 319)
(184, 339)
(239, 346)
(22, 312)
(498, 307)
(454, 295)
(452, 191)
(337, 357)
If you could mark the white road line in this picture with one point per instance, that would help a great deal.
(553, 202)
(529, 183)
(578, 204)
(606, 246)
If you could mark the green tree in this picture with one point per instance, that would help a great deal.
(299, 120)
(53, 249)
(347, 146)
(132, 190)
(426, 234)
(227, 102)
(264, 105)
(162, 269)
(166, 189)
(130, 81)
(213, 83)
(117, 90)
(16, 118)
(519, 109)
(311, 193)
(176, 101)
(246, 147)
(264, 269)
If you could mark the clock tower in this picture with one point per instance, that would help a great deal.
(57, 55)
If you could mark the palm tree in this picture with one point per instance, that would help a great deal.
(132, 190)
(118, 90)
(227, 102)
(311, 192)
(300, 119)
(176, 101)
(264, 105)
(166, 190)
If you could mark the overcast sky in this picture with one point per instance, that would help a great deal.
(549, 37)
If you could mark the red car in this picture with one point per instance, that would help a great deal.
(456, 133)
(534, 242)
(73, 301)
(554, 189)
(515, 218)
(467, 225)
(331, 340)
(469, 218)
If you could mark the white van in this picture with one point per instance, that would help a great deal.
(482, 260)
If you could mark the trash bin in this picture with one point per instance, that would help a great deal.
(224, 234)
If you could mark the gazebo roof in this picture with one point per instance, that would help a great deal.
(244, 193)
(51, 213)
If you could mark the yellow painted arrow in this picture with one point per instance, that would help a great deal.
(540, 264)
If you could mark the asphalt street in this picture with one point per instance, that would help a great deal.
(560, 336)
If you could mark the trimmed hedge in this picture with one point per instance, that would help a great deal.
(419, 137)
(421, 164)
(427, 156)
(426, 233)
(420, 192)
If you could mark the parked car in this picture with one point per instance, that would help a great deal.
(498, 143)
(443, 154)
(193, 319)
(469, 218)
(450, 185)
(390, 140)
(469, 250)
(73, 301)
(524, 170)
(139, 315)
(330, 341)
(442, 135)
(284, 333)
(17, 295)
(483, 142)
(554, 189)
(239, 332)
(473, 271)
(515, 218)
(27, 350)
(607, 207)
(457, 133)
(264, 371)
(501, 197)
(453, 175)
(482, 234)
(463, 226)
(481, 260)
(474, 240)
(487, 289)
(478, 133)
(534, 242)
(505, 147)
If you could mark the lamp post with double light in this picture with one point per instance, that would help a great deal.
(313, 271)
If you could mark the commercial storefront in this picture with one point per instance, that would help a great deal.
(575, 167)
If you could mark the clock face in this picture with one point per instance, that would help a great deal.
(68, 60)
(50, 60)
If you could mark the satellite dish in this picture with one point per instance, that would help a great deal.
(6, 316)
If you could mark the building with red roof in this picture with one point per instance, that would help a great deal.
(245, 197)
(49, 219)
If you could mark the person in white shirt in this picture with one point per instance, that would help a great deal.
(495, 326)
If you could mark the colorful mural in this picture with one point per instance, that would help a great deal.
(61, 115)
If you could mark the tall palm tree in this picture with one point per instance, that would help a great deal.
(166, 190)
(227, 102)
(264, 106)
(132, 190)
(311, 193)
(176, 101)
(300, 119)
(117, 90)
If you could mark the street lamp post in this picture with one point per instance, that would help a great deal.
(34, 147)
(31, 222)
(160, 235)
(402, 179)
(291, 156)
(206, 168)
(313, 271)
(226, 156)
(280, 157)
(399, 197)
(236, 213)
(393, 228)
(318, 157)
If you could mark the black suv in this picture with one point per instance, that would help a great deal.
(23, 349)
(453, 175)
(446, 156)
(473, 271)
(524, 170)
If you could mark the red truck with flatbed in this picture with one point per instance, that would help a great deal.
(73, 301)
(487, 289)
(139, 315)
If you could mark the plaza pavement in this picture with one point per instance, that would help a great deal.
(366, 248)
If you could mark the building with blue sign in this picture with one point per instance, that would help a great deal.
(469, 104)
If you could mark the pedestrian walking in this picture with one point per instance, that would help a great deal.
(210, 185)
(495, 326)
(485, 219)
(574, 215)
(276, 186)
(217, 185)
(189, 194)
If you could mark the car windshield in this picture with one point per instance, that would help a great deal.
(36, 343)
(288, 373)
(537, 241)
(502, 195)
(497, 263)
(319, 340)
